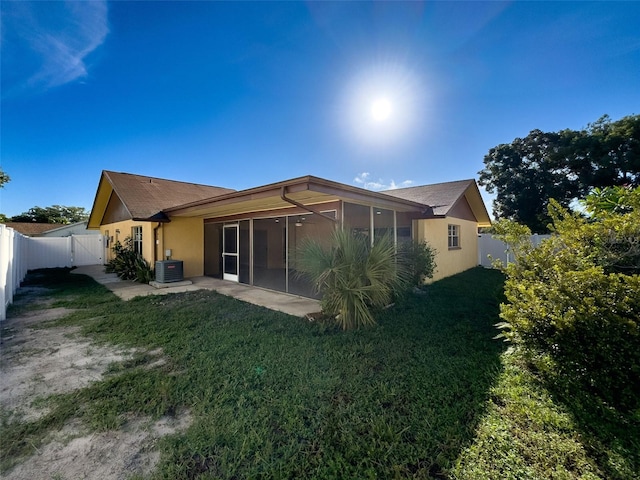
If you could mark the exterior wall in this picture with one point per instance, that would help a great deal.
(449, 261)
(125, 231)
(462, 209)
(185, 238)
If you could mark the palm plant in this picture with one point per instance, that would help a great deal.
(352, 276)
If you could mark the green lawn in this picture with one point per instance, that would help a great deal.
(428, 393)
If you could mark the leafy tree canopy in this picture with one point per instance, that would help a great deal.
(566, 165)
(4, 178)
(612, 200)
(54, 214)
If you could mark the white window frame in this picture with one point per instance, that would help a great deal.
(136, 239)
(453, 236)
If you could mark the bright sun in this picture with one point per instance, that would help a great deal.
(380, 109)
(382, 105)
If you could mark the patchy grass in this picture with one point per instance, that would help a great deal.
(427, 393)
(537, 428)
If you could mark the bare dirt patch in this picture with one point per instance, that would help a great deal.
(74, 453)
(37, 362)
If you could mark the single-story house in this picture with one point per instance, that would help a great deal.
(251, 236)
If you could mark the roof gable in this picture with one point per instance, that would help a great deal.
(144, 198)
(116, 211)
(444, 197)
(462, 210)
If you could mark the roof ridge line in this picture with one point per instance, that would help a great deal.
(165, 179)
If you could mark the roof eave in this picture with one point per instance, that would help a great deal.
(157, 217)
(93, 223)
(299, 184)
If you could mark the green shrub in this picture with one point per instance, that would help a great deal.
(419, 260)
(128, 264)
(353, 277)
(569, 299)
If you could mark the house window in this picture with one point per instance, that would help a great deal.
(454, 236)
(136, 235)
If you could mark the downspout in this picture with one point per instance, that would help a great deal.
(283, 196)
(156, 242)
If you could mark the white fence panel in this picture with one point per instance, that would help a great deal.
(491, 249)
(19, 253)
(13, 265)
(52, 252)
(87, 250)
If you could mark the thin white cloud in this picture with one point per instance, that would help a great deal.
(364, 180)
(47, 43)
(362, 177)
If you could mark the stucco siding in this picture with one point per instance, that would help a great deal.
(450, 261)
(462, 210)
(119, 231)
(185, 238)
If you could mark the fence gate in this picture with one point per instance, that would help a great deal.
(87, 250)
(72, 251)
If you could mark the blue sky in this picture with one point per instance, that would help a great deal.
(240, 94)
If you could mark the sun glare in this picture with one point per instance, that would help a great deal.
(380, 109)
(382, 106)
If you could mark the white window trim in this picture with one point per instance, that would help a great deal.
(137, 242)
(453, 236)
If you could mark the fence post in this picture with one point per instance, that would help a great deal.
(4, 270)
(14, 251)
(70, 246)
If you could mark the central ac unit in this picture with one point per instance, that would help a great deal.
(168, 271)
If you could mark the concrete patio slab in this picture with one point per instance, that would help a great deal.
(281, 302)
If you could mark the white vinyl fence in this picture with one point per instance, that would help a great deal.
(19, 253)
(71, 251)
(491, 249)
(13, 265)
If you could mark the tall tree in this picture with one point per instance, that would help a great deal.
(563, 165)
(525, 174)
(4, 178)
(53, 214)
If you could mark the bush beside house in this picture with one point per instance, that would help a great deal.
(129, 264)
(575, 299)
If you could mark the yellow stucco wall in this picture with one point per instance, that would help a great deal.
(124, 229)
(450, 262)
(185, 238)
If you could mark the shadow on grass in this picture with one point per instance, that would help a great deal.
(286, 399)
(610, 436)
(274, 396)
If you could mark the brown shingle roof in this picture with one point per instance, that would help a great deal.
(32, 229)
(145, 197)
(439, 196)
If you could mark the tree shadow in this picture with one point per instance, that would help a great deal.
(610, 435)
(414, 389)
